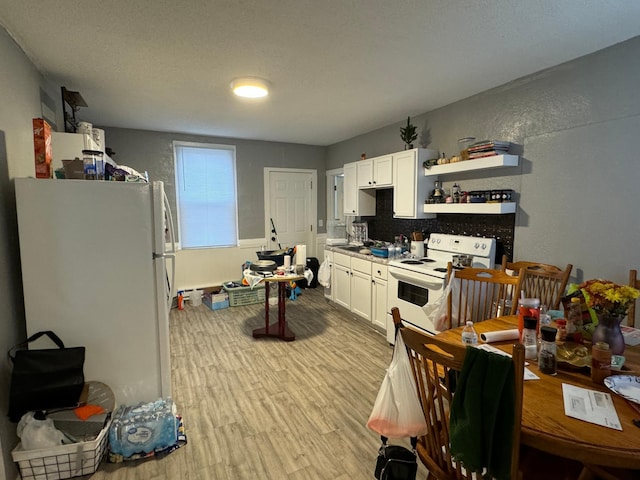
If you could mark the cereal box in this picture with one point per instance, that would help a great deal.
(42, 148)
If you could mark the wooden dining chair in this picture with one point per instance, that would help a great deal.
(634, 282)
(541, 280)
(435, 363)
(477, 293)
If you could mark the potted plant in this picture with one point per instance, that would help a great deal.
(408, 134)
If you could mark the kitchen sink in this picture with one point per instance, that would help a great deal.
(350, 248)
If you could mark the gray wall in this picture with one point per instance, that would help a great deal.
(576, 128)
(20, 90)
(152, 151)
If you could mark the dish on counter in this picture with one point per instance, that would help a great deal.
(627, 386)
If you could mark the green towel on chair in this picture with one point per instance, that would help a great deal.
(482, 411)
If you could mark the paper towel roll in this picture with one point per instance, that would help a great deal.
(301, 254)
(287, 262)
(500, 335)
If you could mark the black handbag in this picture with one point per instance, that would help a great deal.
(396, 462)
(45, 379)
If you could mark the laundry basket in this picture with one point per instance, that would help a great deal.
(62, 461)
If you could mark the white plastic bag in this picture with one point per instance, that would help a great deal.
(35, 434)
(438, 312)
(324, 274)
(397, 412)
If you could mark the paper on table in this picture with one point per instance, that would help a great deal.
(528, 374)
(590, 405)
(631, 335)
(500, 335)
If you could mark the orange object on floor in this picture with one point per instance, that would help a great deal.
(87, 411)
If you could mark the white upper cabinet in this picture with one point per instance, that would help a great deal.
(356, 202)
(375, 172)
(410, 186)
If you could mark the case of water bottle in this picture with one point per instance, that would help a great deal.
(143, 428)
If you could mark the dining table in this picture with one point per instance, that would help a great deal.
(546, 427)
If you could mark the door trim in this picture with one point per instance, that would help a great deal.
(313, 204)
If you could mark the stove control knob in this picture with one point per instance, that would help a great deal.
(484, 246)
(476, 246)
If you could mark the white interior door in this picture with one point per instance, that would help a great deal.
(291, 202)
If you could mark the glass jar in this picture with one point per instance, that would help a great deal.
(93, 163)
(547, 360)
(600, 362)
(574, 320)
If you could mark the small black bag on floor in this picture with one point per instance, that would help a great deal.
(45, 379)
(396, 462)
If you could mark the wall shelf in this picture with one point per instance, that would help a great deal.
(485, 208)
(495, 161)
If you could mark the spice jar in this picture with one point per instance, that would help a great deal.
(547, 361)
(600, 362)
(529, 338)
(561, 336)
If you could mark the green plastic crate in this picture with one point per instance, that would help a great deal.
(239, 296)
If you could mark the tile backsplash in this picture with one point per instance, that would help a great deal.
(384, 227)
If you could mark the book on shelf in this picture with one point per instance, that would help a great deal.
(488, 153)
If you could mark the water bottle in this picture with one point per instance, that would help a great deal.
(469, 335)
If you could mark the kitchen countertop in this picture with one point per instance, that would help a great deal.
(351, 253)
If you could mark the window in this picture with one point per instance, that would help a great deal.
(206, 195)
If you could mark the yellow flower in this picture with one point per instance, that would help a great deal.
(605, 296)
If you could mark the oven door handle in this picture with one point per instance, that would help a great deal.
(420, 282)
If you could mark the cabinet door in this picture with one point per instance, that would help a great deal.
(361, 294)
(350, 189)
(404, 191)
(341, 286)
(383, 171)
(364, 173)
(379, 303)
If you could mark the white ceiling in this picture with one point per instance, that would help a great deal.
(338, 68)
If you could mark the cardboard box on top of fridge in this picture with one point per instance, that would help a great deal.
(42, 148)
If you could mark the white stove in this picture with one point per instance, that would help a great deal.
(415, 282)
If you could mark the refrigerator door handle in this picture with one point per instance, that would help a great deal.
(167, 210)
(172, 258)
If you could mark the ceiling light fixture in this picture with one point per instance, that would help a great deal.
(250, 87)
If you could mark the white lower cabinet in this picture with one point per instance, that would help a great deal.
(379, 295)
(341, 286)
(361, 287)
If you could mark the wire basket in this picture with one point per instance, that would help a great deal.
(63, 461)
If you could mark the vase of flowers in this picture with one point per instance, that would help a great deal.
(610, 302)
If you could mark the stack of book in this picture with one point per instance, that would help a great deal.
(488, 148)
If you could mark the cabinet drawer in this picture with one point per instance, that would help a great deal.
(360, 265)
(378, 271)
(342, 259)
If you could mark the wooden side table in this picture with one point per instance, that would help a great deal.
(279, 329)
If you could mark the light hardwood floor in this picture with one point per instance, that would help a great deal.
(268, 409)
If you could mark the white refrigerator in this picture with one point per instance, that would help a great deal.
(98, 262)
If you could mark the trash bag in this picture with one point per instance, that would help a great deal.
(397, 412)
(324, 274)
